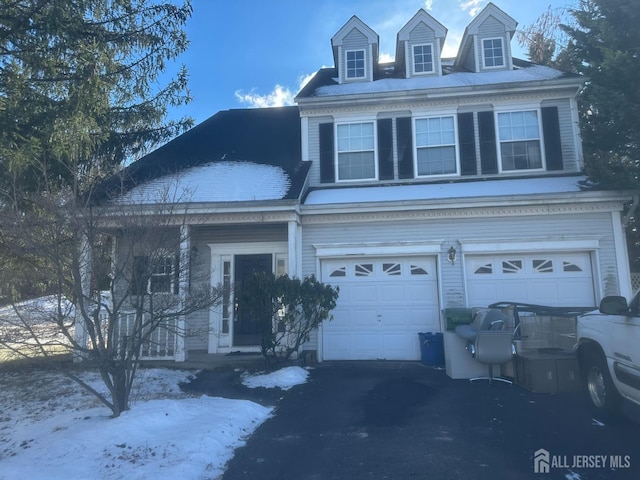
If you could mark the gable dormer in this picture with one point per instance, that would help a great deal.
(419, 46)
(486, 43)
(355, 51)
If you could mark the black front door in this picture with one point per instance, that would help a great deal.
(248, 326)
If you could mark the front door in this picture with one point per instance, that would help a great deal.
(248, 326)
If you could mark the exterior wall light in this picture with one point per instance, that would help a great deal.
(451, 255)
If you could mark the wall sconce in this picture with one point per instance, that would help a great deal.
(451, 255)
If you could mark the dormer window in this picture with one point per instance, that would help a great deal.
(422, 59)
(493, 52)
(355, 64)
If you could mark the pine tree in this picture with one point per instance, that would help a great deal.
(84, 87)
(605, 46)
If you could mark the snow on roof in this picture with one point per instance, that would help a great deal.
(432, 191)
(214, 182)
(532, 73)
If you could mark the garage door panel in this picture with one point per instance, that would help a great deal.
(365, 346)
(392, 293)
(556, 279)
(362, 294)
(335, 345)
(381, 307)
(546, 292)
(365, 318)
(400, 346)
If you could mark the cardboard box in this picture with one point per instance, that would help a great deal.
(547, 372)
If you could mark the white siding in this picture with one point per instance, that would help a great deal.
(452, 291)
(569, 151)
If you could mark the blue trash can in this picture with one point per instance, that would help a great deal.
(431, 349)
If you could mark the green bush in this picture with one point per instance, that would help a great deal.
(295, 306)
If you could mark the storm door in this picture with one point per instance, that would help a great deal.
(248, 326)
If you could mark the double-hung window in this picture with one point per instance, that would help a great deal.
(356, 151)
(355, 64)
(493, 52)
(162, 275)
(436, 146)
(154, 274)
(519, 136)
(422, 59)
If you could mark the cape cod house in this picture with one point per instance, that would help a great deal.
(417, 185)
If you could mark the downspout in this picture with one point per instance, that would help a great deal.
(632, 210)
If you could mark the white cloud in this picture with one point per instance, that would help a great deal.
(472, 6)
(385, 57)
(428, 5)
(279, 97)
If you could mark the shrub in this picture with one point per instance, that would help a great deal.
(296, 308)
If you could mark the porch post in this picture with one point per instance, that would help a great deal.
(183, 286)
(622, 259)
(85, 257)
(294, 245)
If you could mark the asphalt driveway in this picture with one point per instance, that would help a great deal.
(401, 420)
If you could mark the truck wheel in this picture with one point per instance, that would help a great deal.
(601, 391)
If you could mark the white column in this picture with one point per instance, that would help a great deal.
(183, 287)
(294, 249)
(85, 257)
(622, 257)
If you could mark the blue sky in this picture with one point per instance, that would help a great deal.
(252, 53)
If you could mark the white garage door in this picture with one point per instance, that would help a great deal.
(383, 304)
(562, 280)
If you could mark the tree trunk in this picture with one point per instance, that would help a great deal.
(120, 393)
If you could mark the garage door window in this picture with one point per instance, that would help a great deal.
(364, 270)
(512, 266)
(545, 279)
(339, 272)
(417, 270)
(392, 269)
(543, 266)
(570, 267)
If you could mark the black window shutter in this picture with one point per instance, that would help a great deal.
(487, 133)
(466, 138)
(552, 142)
(385, 149)
(327, 162)
(405, 147)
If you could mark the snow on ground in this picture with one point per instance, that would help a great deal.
(51, 429)
(285, 378)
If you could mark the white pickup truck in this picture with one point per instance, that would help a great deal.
(608, 348)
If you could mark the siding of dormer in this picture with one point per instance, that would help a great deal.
(492, 28)
(421, 35)
(469, 61)
(355, 40)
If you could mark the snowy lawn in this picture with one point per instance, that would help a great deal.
(51, 429)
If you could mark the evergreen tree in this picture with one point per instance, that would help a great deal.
(605, 47)
(84, 87)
